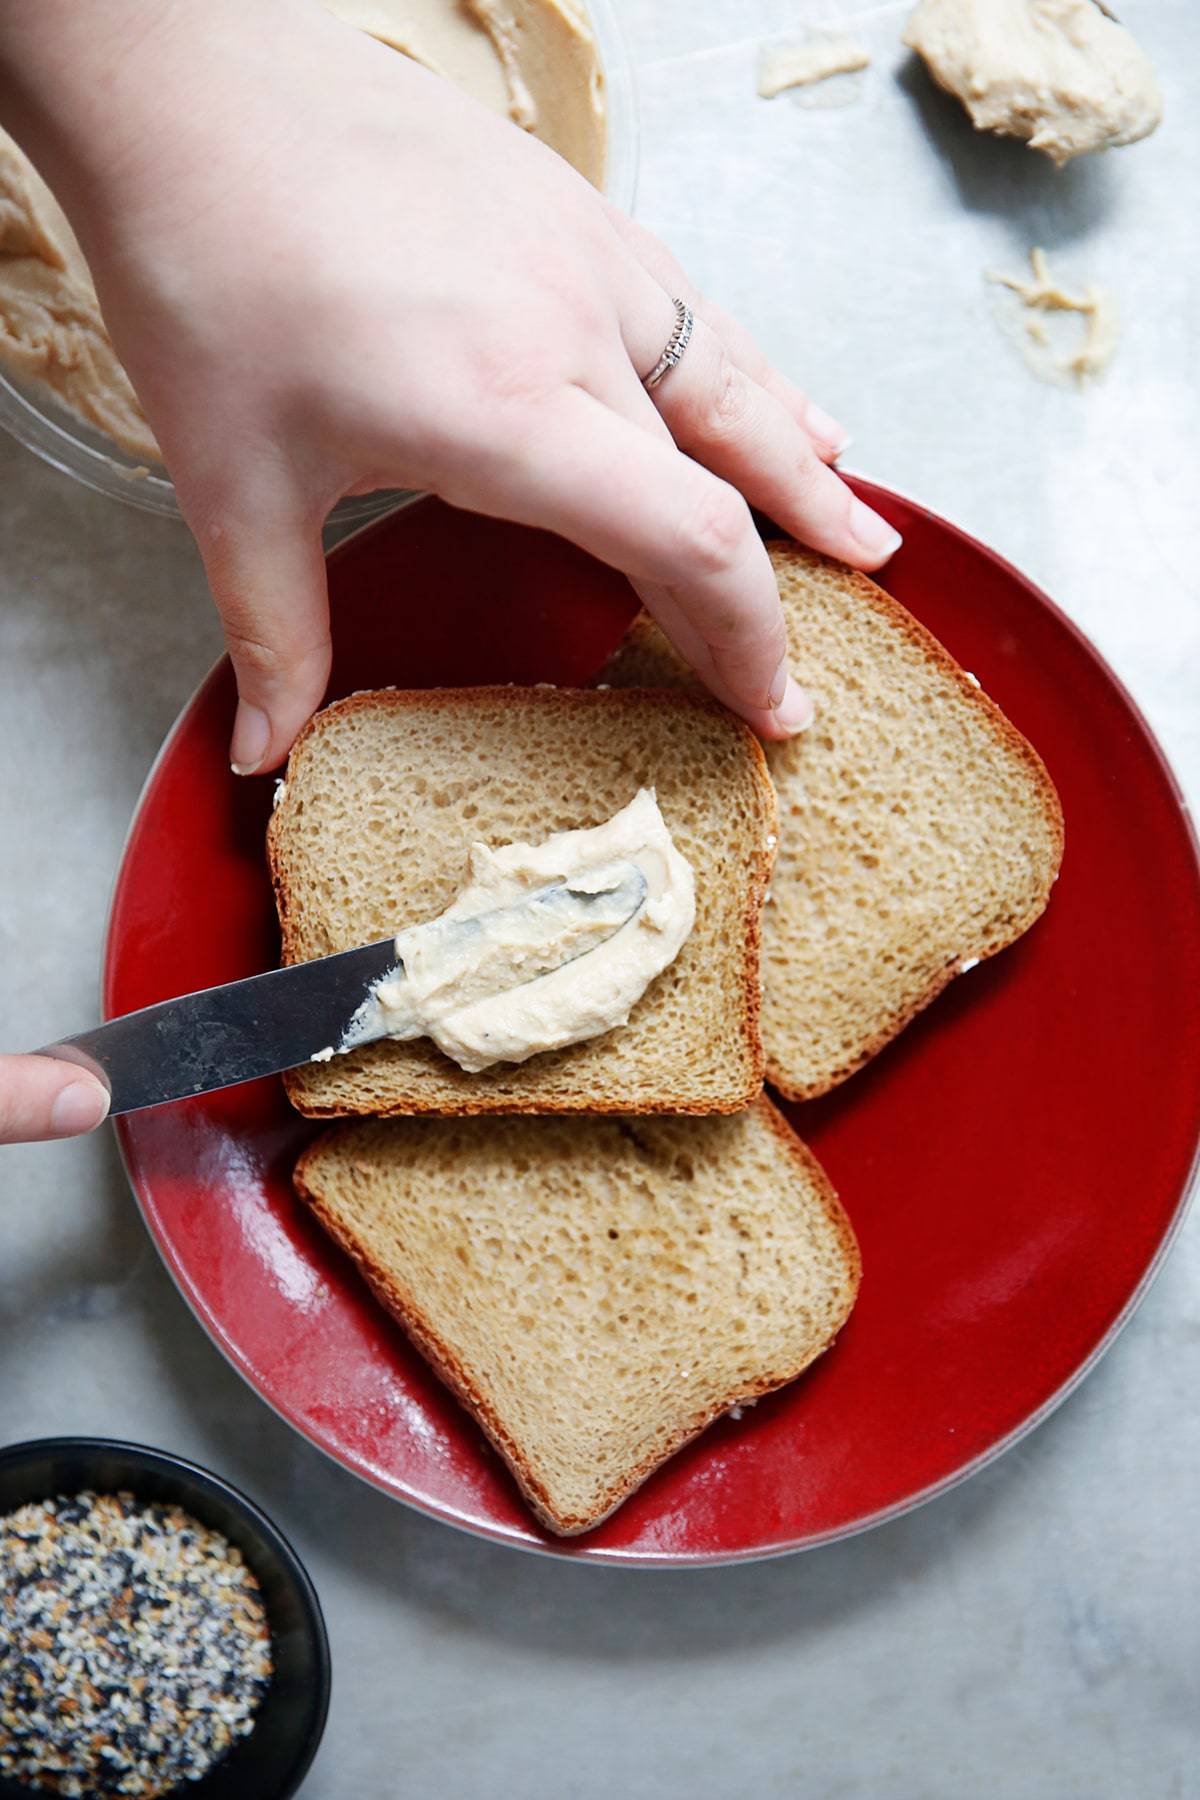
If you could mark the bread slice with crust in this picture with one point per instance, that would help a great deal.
(595, 1291)
(918, 831)
(386, 792)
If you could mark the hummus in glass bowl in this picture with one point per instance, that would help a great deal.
(556, 68)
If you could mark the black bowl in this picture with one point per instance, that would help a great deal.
(272, 1761)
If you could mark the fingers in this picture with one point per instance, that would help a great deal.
(794, 713)
(267, 573)
(827, 437)
(632, 500)
(747, 436)
(42, 1098)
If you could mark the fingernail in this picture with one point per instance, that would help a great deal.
(795, 711)
(876, 536)
(778, 686)
(79, 1107)
(251, 735)
(819, 424)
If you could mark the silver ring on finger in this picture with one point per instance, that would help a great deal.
(676, 344)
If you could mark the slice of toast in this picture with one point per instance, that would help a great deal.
(386, 792)
(918, 831)
(595, 1291)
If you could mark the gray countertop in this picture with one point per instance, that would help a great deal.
(1034, 1634)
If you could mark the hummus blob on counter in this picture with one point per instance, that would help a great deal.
(534, 61)
(546, 945)
(1064, 75)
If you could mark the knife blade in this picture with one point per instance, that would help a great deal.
(224, 1035)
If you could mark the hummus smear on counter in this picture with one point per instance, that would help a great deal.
(615, 904)
(1062, 74)
(535, 61)
(1046, 294)
(802, 65)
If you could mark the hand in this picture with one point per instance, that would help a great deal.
(41, 1097)
(328, 271)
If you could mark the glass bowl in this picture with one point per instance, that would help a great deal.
(273, 1759)
(30, 413)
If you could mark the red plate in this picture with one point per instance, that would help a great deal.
(1015, 1165)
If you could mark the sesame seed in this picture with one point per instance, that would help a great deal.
(134, 1647)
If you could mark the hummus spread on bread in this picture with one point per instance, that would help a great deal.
(1062, 74)
(535, 61)
(546, 945)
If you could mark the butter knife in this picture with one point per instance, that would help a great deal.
(224, 1035)
(267, 1023)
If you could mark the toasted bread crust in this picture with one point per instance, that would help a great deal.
(644, 648)
(936, 653)
(414, 1100)
(398, 1301)
(1014, 741)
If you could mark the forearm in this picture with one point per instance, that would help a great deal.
(102, 96)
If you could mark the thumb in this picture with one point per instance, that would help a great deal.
(42, 1097)
(267, 575)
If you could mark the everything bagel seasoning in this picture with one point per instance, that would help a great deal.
(134, 1647)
